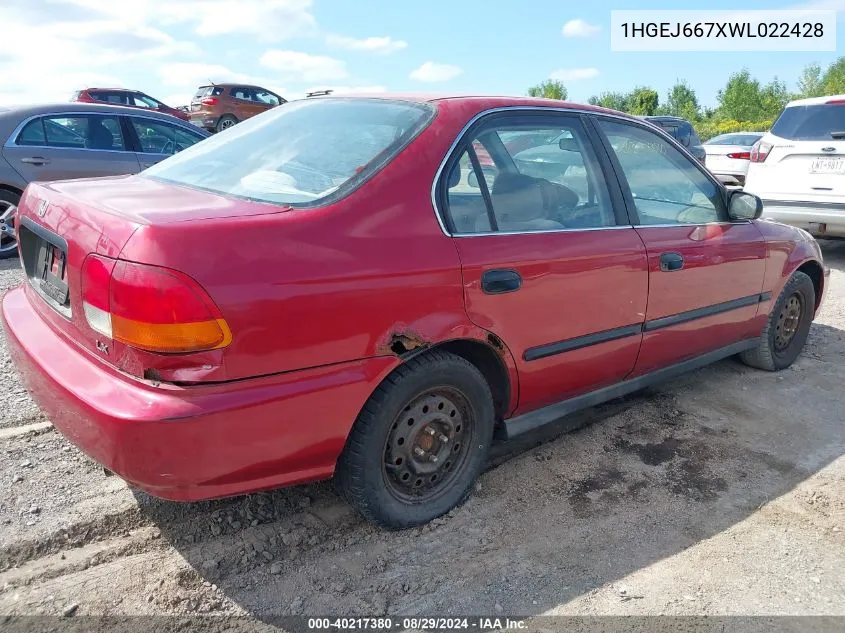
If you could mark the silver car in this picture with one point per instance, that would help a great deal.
(79, 140)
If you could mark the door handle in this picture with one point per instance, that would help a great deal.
(35, 160)
(671, 261)
(496, 282)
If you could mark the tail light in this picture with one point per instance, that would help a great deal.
(834, 101)
(209, 101)
(760, 151)
(84, 97)
(149, 307)
(740, 155)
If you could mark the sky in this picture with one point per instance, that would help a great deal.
(167, 48)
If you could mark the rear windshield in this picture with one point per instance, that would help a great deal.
(208, 91)
(810, 122)
(743, 140)
(298, 153)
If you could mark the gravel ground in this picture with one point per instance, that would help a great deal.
(720, 493)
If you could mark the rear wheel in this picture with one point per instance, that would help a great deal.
(226, 121)
(8, 241)
(420, 442)
(786, 331)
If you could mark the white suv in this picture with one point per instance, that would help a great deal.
(798, 167)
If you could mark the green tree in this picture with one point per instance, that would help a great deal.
(683, 102)
(741, 99)
(612, 100)
(810, 82)
(549, 89)
(833, 81)
(643, 101)
(773, 98)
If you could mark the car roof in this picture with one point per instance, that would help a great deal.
(816, 100)
(24, 111)
(12, 116)
(481, 102)
(665, 117)
(230, 85)
(112, 89)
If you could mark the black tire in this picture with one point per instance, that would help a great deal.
(785, 333)
(379, 490)
(8, 245)
(226, 121)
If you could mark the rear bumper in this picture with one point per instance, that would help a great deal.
(203, 120)
(822, 219)
(191, 443)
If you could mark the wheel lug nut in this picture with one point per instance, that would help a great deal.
(443, 439)
(420, 452)
(433, 459)
(430, 430)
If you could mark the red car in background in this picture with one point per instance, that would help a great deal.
(334, 289)
(129, 98)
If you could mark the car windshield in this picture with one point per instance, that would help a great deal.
(146, 101)
(815, 122)
(743, 140)
(298, 153)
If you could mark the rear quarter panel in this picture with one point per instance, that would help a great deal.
(312, 287)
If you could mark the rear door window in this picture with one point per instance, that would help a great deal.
(244, 94)
(817, 122)
(539, 177)
(83, 132)
(33, 134)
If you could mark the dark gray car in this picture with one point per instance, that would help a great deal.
(79, 140)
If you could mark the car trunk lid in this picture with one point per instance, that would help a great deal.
(60, 224)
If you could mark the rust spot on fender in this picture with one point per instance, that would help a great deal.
(403, 344)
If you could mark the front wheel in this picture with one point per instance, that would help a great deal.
(419, 443)
(8, 239)
(788, 326)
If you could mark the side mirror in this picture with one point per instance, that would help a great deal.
(744, 206)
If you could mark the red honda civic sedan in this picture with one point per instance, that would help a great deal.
(337, 288)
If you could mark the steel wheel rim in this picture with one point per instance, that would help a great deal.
(226, 123)
(8, 239)
(428, 444)
(789, 319)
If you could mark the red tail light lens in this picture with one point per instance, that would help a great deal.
(760, 151)
(210, 101)
(150, 308)
(740, 155)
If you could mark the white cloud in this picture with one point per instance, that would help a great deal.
(431, 72)
(378, 45)
(579, 28)
(50, 50)
(300, 66)
(195, 74)
(268, 19)
(574, 74)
